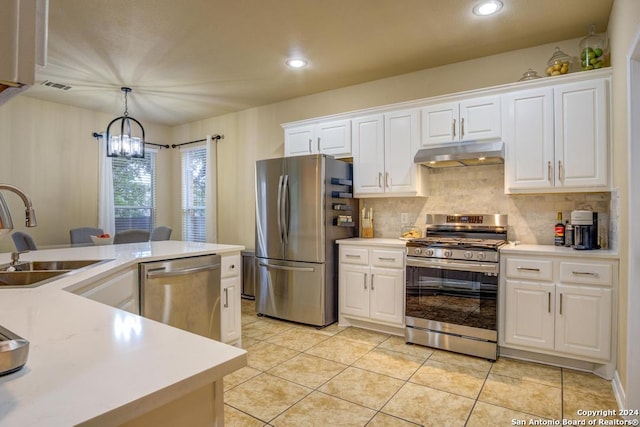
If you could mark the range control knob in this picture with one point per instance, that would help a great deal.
(429, 252)
(447, 253)
(482, 256)
(417, 251)
(468, 255)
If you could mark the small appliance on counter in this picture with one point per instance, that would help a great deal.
(585, 229)
(14, 351)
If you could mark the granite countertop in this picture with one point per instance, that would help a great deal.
(89, 361)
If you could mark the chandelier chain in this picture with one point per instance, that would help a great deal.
(126, 106)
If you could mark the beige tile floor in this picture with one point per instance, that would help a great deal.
(301, 376)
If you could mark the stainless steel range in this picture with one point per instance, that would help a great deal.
(452, 284)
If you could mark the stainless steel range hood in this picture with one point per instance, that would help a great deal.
(461, 154)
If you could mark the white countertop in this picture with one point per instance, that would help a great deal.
(557, 251)
(88, 361)
(376, 241)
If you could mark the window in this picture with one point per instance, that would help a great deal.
(134, 186)
(194, 179)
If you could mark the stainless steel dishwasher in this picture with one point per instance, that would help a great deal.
(183, 292)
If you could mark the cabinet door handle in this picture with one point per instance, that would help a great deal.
(352, 256)
(365, 281)
(226, 297)
(560, 171)
(549, 302)
(309, 145)
(453, 127)
(549, 170)
(318, 144)
(386, 258)
(462, 128)
(560, 304)
(386, 179)
(585, 273)
(372, 282)
(380, 179)
(528, 269)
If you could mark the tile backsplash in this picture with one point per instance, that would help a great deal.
(480, 190)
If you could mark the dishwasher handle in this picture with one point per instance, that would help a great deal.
(161, 271)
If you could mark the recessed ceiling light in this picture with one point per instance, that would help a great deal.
(488, 7)
(297, 62)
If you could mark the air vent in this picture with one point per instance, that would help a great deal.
(55, 85)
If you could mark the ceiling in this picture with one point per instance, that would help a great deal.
(193, 59)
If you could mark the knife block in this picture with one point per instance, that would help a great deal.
(367, 232)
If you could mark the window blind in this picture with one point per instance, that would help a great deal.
(134, 186)
(194, 182)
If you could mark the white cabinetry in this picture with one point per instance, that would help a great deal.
(383, 149)
(468, 120)
(559, 306)
(557, 138)
(371, 287)
(120, 290)
(330, 137)
(230, 325)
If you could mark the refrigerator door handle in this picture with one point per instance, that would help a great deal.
(284, 267)
(285, 209)
(279, 208)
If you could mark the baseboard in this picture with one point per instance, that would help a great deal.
(618, 391)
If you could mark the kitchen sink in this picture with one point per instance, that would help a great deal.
(55, 265)
(25, 278)
(28, 273)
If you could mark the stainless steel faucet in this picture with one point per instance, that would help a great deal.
(6, 224)
(15, 258)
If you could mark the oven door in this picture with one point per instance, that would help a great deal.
(454, 297)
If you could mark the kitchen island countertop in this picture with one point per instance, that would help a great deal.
(91, 363)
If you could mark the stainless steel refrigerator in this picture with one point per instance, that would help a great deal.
(303, 205)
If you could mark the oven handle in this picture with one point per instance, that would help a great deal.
(452, 265)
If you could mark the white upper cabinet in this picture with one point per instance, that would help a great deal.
(331, 137)
(468, 120)
(556, 138)
(383, 149)
(529, 138)
(368, 150)
(581, 131)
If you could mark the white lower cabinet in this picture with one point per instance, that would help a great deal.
(529, 319)
(230, 284)
(371, 286)
(560, 306)
(119, 290)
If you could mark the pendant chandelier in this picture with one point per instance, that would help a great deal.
(126, 144)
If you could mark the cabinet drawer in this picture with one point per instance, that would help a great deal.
(230, 265)
(387, 258)
(579, 272)
(527, 268)
(354, 255)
